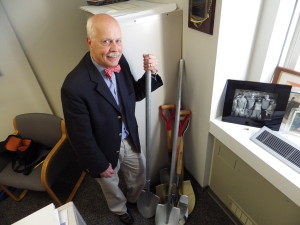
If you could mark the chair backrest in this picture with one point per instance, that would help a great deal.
(41, 127)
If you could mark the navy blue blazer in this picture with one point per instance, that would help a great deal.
(93, 118)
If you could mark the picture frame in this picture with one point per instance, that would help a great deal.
(293, 124)
(255, 104)
(286, 76)
(293, 102)
(292, 106)
(201, 15)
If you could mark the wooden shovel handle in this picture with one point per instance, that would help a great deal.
(169, 106)
(169, 140)
(185, 112)
(185, 117)
(180, 156)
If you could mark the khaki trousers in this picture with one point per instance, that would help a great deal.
(132, 166)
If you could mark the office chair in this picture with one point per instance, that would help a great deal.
(50, 131)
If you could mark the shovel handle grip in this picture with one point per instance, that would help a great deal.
(185, 113)
(185, 116)
(169, 106)
(168, 119)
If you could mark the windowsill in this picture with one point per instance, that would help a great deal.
(237, 138)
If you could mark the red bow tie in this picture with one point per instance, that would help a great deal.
(109, 70)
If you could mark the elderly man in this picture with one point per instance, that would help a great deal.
(98, 99)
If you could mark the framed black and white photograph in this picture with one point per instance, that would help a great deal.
(255, 104)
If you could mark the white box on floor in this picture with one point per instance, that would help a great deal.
(46, 216)
(66, 214)
(69, 215)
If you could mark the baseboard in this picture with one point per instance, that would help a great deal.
(223, 207)
(207, 189)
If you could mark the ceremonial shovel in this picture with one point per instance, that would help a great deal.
(148, 201)
(168, 214)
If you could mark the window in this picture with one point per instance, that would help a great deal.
(290, 55)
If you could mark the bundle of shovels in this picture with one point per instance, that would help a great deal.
(175, 197)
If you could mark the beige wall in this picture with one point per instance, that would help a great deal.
(19, 90)
(52, 35)
(252, 198)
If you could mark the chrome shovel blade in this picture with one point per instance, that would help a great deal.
(147, 203)
(167, 215)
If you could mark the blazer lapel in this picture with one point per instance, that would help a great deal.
(125, 88)
(101, 87)
(122, 90)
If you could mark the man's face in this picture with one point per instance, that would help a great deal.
(106, 44)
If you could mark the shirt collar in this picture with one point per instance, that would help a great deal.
(102, 72)
(99, 68)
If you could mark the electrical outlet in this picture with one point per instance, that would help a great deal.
(249, 222)
(243, 218)
(237, 210)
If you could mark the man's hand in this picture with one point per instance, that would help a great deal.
(150, 63)
(108, 172)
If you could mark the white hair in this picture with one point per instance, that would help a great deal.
(89, 28)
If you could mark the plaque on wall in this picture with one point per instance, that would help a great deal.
(202, 15)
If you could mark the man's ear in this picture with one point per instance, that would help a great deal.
(88, 41)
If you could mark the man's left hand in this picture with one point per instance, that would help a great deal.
(150, 63)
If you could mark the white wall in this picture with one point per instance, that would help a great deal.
(199, 53)
(245, 45)
(234, 47)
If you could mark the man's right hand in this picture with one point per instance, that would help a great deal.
(108, 172)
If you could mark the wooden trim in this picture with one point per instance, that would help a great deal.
(15, 127)
(10, 194)
(44, 181)
(76, 186)
(46, 162)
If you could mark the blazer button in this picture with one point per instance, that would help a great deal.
(120, 134)
(119, 117)
(118, 151)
